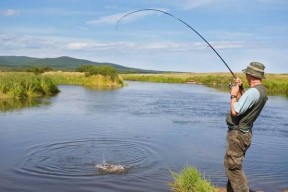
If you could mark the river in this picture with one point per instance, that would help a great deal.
(150, 128)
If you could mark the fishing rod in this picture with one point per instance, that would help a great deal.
(157, 10)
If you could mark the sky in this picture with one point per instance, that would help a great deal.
(241, 31)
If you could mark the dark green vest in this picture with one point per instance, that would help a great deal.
(245, 121)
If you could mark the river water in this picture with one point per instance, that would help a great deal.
(149, 128)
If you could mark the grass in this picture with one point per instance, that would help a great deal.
(21, 85)
(24, 85)
(190, 180)
(276, 84)
(79, 78)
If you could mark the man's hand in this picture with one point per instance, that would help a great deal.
(237, 88)
(234, 90)
(238, 81)
(237, 91)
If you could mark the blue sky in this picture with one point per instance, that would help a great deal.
(240, 30)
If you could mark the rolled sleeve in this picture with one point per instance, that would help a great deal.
(246, 101)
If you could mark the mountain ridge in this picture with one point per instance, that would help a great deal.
(64, 63)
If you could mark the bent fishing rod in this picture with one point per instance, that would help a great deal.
(157, 10)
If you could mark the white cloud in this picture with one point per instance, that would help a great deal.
(77, 45)
(191, 4)
(113, 19)
(108, 20)
(91, 46)
(22, 42)
(228, 44)
(148, 54)
(9, 12)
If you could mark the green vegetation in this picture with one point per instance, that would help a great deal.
(66, 78)
(190, 180)
(25, 85)
(276, 84)
(38, 70)
(197, 78)
(18, 88)
(37, 82)
(104, 70)
(79, 78)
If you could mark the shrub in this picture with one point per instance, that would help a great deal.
(190, 180)
(38, 70)
(104, 70)
(84, 68)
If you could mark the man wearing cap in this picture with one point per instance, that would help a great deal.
(244, 110)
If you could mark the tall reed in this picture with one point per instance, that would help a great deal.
(24, 85)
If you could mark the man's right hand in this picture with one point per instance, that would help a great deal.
(238, 81)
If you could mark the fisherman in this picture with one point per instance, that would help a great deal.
(244, 110)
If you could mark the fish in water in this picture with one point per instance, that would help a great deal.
(110, 168)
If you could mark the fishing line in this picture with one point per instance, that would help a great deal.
(157, 10)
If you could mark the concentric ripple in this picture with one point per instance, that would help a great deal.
(78, 158)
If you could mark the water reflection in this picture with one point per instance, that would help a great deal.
(147, 128)
(9, 105)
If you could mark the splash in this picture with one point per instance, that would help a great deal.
(106, 168)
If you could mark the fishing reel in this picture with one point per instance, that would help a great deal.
(231, 85)
(241, 89)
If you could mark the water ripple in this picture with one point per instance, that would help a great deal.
(78, 158)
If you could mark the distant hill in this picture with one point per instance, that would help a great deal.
(64, 63)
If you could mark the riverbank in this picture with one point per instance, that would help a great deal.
(25, 85)
(22, 85)
(79, 78)
(276, 84)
